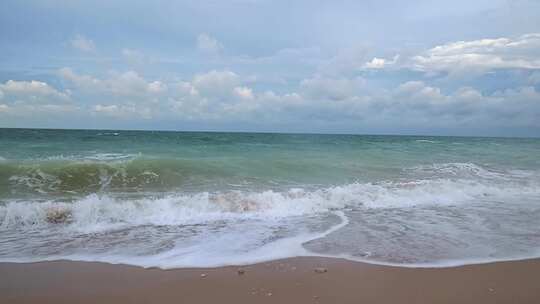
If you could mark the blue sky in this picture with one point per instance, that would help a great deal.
(399, 67)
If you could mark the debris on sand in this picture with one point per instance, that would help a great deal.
(320, 270)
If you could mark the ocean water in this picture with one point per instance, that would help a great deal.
(180, 199)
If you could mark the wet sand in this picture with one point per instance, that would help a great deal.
(284, 281)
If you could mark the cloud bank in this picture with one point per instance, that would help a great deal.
(316, 71)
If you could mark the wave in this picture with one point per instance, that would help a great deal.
(97, 157)
(114, 172)
(104, 211)
(462, 170)
(207, 229)
(240, 245)
(99, 172)
(108, 134)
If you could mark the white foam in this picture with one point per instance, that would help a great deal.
(37, 180)
(435, 264)
(96, 157)
(179, 209)
(229, 250)
(249, 243)
(214, 251)
(111, 157)
(205, 256)
(108, 134)
(282, 249)
(461, 170)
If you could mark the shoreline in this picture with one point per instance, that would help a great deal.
(291, 280)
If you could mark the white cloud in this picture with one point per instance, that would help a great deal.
(346, 61)
(33, 91)
(129, 83)
(379, 63)
(419, 89)
(156, 87)
(216, 83)
(185, 88)
(484, 54)
(82, 81)
(426, 104)
(126, 111)
(83, 44)
(321, 87)
(134, 56)
(110, 109)
(208, 44)
(213, 95)
(468, 93)
(34, 99)
(224, 96)
(289, 98)
(244, 92)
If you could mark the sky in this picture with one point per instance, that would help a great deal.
(364, 67)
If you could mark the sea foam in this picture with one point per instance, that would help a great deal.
(182, 209)
(203, 229)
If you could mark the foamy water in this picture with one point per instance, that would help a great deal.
(201, 200)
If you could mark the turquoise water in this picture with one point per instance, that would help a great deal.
(179, 199)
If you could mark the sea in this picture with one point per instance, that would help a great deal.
(204, 199)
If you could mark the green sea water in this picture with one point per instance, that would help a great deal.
(175, 199)
(66, 162)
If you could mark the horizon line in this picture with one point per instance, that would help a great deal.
(265, 132)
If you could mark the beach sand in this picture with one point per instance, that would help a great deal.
(283, 281)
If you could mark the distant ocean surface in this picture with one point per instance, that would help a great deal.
(181, 199)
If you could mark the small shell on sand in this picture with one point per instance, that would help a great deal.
(320, 270)
(203, 275)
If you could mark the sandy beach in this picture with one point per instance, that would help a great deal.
(295, 280)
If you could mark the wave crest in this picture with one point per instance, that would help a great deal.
(182, 209)
(128, 173)
(459, 170)
(98, 173)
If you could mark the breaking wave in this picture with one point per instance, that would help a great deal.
(183, 209)
(434, 215)
(111, 172)
(98, 173)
